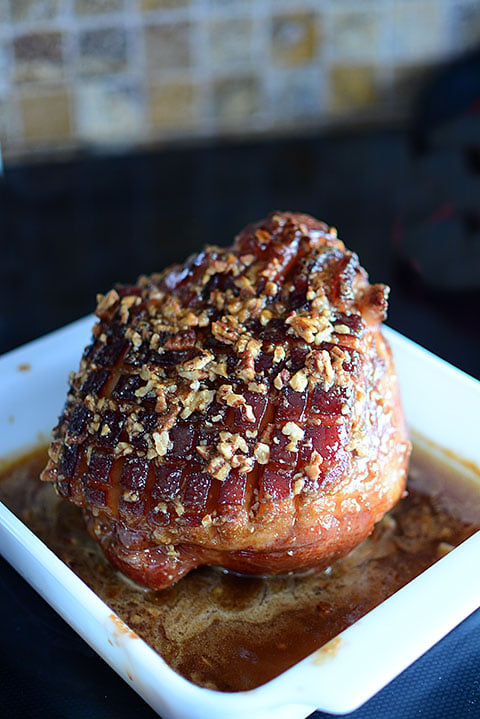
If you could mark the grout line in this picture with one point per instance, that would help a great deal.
(202, 75)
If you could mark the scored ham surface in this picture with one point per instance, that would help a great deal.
(241, 410)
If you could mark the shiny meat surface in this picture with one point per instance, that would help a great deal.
(241, 410)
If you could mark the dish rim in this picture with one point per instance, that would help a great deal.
(313, 683)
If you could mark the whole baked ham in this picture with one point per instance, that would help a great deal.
(241, 410)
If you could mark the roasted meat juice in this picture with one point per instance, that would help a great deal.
(234, 633)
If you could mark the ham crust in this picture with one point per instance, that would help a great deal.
(240, 410)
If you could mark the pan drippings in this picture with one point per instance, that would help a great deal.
(234, 633)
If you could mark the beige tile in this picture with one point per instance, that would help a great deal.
(102, 51)
(173, 107)
(168, 46)
(3, 120)
(38, 57)
(418, 31)
(11, 129)
(33, 9)
(230, 42)
(109, 111)
(352, 87)
(229, 5)
(355, 35)
(46, 117)
(97, 7)
(6, 65)
(294, 38)
(235, 100)
(296, 95)
(147, 5)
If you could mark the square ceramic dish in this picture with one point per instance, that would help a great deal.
(440, 403)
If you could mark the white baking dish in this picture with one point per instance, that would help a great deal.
(440, 402)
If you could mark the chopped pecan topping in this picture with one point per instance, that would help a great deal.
(161, 441)
(262, 453)
(299, 380)
(219, 390)
(294, 433)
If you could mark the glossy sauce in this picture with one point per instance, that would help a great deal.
(234, 633)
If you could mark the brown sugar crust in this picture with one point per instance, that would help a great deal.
(239, 410)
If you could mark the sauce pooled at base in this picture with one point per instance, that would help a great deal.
(234, 633)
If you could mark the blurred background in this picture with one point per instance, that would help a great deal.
(82, 73)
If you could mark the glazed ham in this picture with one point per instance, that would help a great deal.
(241, 410)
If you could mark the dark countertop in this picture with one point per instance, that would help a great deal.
(70, 230)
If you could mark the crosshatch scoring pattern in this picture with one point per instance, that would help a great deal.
(78, 72)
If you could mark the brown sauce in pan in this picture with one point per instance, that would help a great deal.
(234, 633)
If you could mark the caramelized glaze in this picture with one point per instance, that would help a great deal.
(241, 410)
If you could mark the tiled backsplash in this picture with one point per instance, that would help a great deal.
(82, 72)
